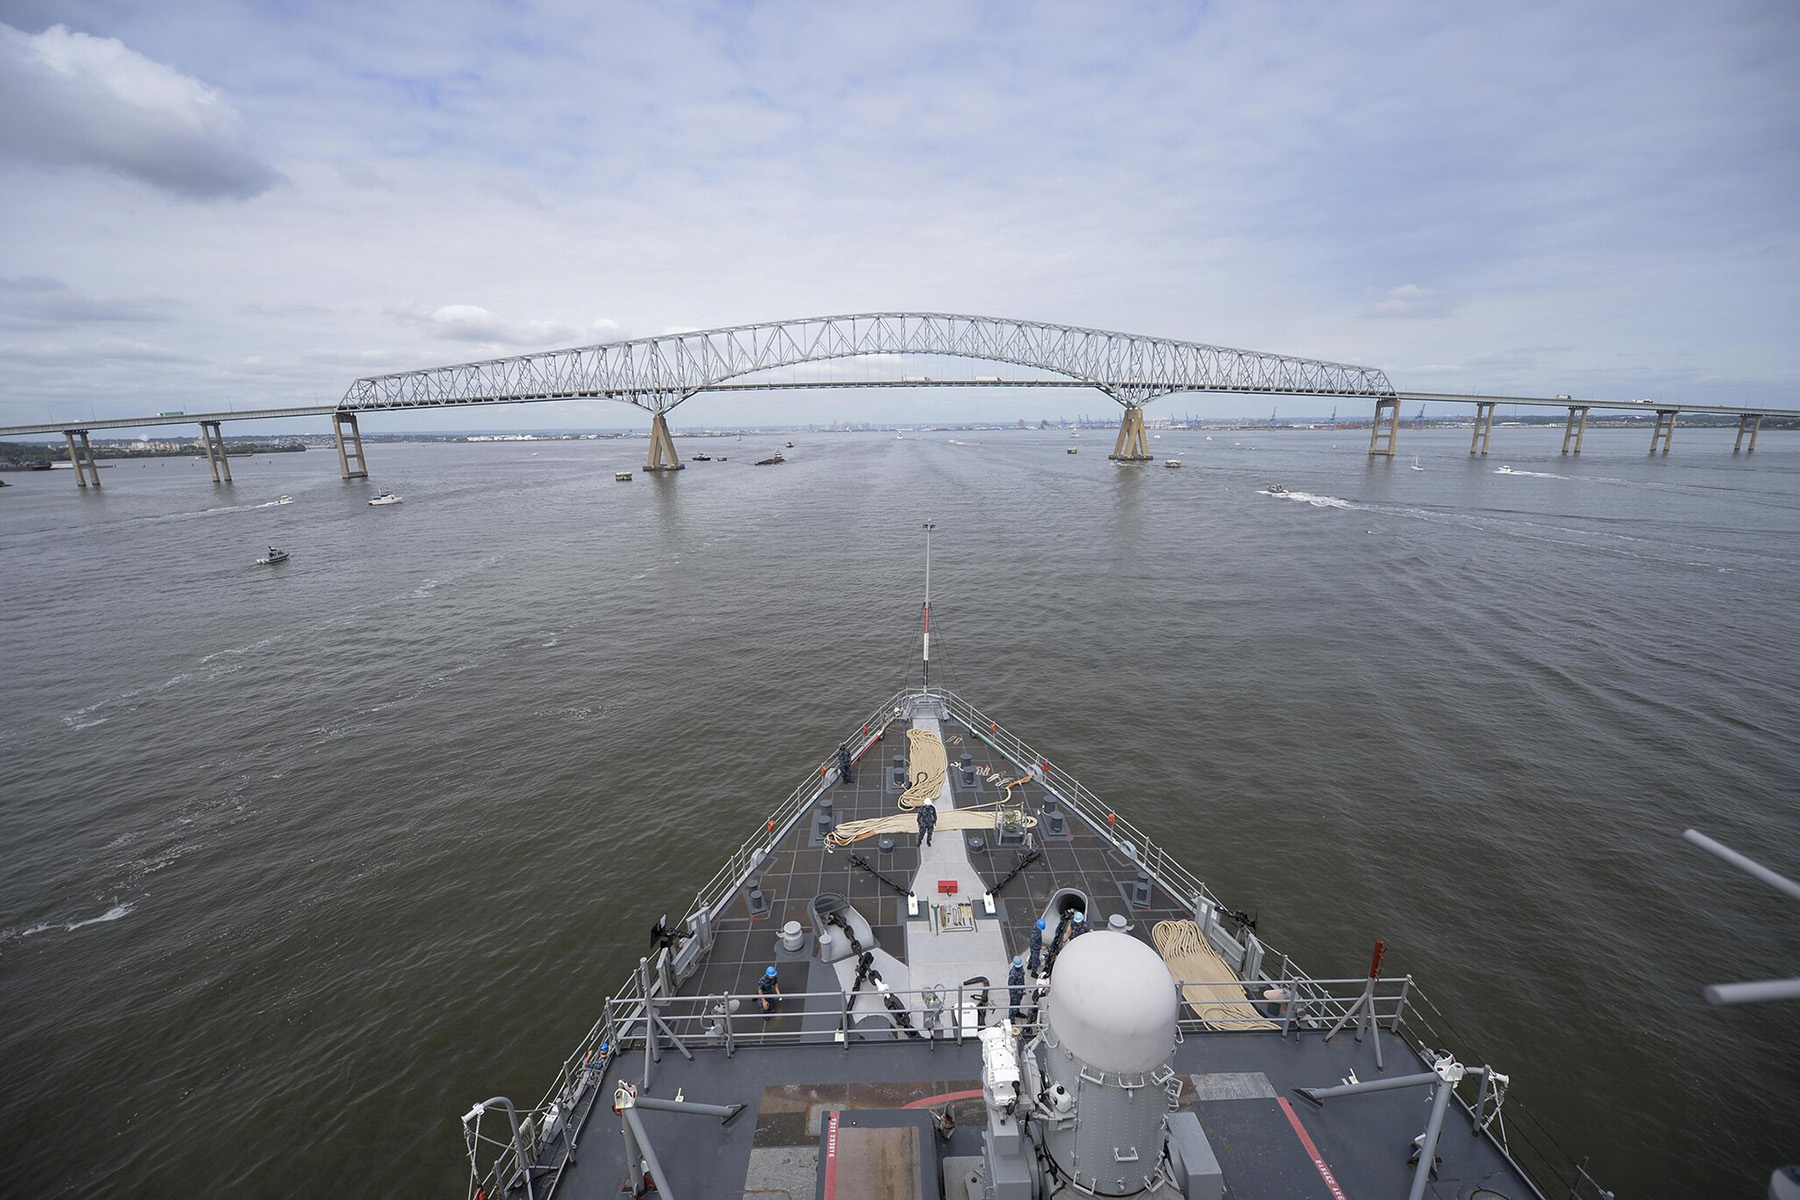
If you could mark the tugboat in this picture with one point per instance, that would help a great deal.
(700, 458)
(1043, 1006)
(772, 460)
(272, 557)
(383, 500)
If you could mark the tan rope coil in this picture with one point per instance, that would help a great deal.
(985, 817)
(1190, 956)
(927, 763)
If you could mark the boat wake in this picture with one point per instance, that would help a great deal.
(1309, 498)
(114, 913)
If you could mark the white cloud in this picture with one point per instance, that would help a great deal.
(76, 100)
(472, 323)
(37, 301)
(1411, 300)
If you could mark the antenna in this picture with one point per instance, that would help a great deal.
(929, 526)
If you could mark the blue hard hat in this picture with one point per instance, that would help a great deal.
(1080, 916)
(770, 972)
(1018, 961)
(1040, 922)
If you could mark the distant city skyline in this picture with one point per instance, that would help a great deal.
(215, 205)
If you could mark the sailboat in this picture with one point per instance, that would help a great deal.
(1416, 466)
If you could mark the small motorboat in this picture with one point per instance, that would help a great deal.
(1074, 450)
(790, 445)
(1173, 462)
(272, 557)
(383, 500)
(722, 458)
(621, 476)
(772, 460)
(285, 500)
(1275, 489)
(701, 458)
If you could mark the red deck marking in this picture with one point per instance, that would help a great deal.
(1312, 1150)
(945, 1098)
(831, 1139)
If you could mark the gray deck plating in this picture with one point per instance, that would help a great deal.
(1237, 1083)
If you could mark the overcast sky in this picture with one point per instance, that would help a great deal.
(210, 205)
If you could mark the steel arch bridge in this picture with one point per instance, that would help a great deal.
(658, 373)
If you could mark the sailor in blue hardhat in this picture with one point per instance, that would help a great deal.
(1015, 980)
(1078, 926)
(768, 990)
(1037, 945)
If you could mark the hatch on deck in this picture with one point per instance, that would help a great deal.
(877, 1155)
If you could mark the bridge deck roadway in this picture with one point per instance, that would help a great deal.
(259, 414)
(325, 410)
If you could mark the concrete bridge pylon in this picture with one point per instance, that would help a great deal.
(214, 440)
(81, 453)
(1132, 446)
(662, 456)
(350, 449)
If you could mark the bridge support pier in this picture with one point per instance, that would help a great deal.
(1384, 432)
(1747, 423)
(662, 456)
(350, 452)
(1576, 429)
(1484, 428)
(1132, 445)
(214, 440)
(82, 455)
(1664, 431)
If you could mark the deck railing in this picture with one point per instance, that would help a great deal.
(630, 1020)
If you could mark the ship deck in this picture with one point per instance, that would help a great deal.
(791, 1068)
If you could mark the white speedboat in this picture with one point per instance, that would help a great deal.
(1172, 462)
(272, 557)
(383, 500)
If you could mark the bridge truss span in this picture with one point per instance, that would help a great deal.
(658, 373)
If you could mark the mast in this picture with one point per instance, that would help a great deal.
(929, 526)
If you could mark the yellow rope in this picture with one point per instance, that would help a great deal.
(1190, 956)
(927, 761)
(956, 818)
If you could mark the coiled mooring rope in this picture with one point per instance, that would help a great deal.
(1190, 956)
(927, 762)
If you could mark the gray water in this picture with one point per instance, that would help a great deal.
(296, 863)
